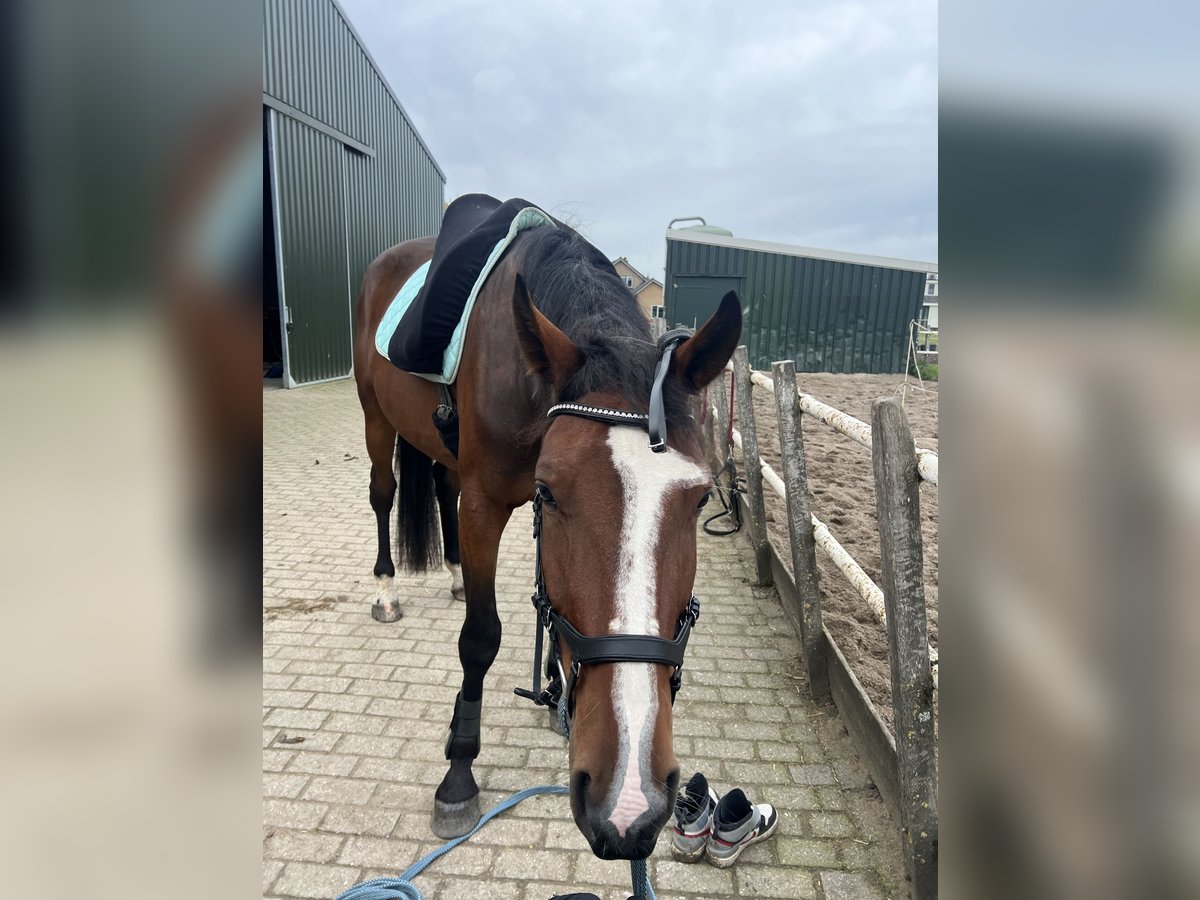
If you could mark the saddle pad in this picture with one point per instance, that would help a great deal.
(526, 218)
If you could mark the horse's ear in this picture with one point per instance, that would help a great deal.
(549, 353)
(700, 358)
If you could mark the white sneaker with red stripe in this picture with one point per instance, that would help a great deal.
(694, 810)
(738, 823)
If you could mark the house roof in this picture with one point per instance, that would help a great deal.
(622, 259)
(645, 284)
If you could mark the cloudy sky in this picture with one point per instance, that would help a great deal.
(811, 122)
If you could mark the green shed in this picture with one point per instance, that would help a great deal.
(345, 176)
(827, 310)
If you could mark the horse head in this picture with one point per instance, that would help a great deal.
(618, 554)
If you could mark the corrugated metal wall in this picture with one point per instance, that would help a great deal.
(827, 316)
(313, 61)
(312, 249)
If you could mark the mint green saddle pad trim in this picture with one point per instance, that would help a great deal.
(529, 217)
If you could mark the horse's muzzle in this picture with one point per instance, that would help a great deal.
(639, 838)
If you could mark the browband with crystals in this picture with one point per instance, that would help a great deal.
(599, 414)
(656, 422)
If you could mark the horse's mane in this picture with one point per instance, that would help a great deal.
(575, 286)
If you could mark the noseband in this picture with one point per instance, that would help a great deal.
(609, 648)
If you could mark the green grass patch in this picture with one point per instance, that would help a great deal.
(927, 371)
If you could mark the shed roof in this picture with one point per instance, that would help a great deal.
(861, 259)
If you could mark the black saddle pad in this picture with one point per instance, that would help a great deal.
(471, 226)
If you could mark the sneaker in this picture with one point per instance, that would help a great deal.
(693, 819)
(737, 823)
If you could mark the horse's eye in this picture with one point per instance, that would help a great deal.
(704, 501)
(544, 494)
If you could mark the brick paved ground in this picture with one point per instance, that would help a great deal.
(371, 703)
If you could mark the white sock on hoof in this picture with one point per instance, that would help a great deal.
(456, 579)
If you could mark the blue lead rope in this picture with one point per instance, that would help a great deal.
(402, 888)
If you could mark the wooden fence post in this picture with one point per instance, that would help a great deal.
(804, 548)
(897, 505)
(721, 419)
(754, 479)
(708, 428)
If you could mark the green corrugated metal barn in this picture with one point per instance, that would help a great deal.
(829, 311)
(345, 176)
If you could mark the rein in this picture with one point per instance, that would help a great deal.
(609, 648)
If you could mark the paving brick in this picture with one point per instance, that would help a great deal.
(831, 797)
(848, 886)
(388, 853)
(812, 774)
(322, 763)
(326, 684)
(366, 820)
(310, 719)
(671, 878)
(349, 703)
(827, 824)
(757, 772)
(531, 864)
(277, 760)
(286, 699)
(303, 846)
(309, 880)
(477, 889)
(292, 814)
(271, 870)
(285, 786)
(369, 745)
(774, 881)
(776, 751)
(356, 724)
(808, 853)
(339, 790)
(466, 860)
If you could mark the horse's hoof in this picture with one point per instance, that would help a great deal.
(386, 610)
(555, 725)
(451, 820)
(459, 594)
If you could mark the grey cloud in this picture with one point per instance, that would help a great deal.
(813, 124)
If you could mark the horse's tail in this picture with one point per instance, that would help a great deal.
(417, 541)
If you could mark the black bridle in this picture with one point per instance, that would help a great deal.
(609, 648)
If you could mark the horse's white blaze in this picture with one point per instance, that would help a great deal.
(647, 478)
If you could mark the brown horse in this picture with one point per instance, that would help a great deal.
(555, 323)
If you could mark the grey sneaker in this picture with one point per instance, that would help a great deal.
(737, 823)
(694, 810)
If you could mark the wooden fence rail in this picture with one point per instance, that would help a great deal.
(864, 586)
(905, 765)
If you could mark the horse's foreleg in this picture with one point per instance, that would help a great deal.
(456, 803)
(381, 444)
(446, 485)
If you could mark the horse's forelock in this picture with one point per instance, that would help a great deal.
(578, 289)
